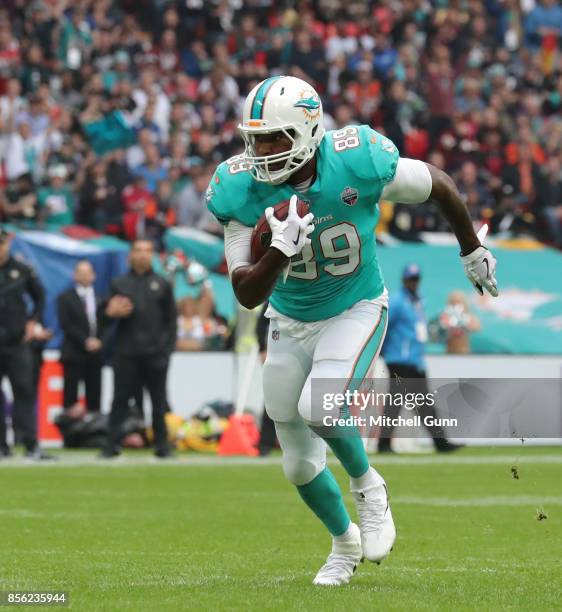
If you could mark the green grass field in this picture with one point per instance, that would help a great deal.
(202, 534)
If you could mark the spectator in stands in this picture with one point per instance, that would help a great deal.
(544, 22)
(137, 200)
(364, 94)
(474, 189)
(56, 201)
(36, 116)
(306, 58)
(522, 182)
(458, 323)
(75, 39)
(9, 56)
(161, 215)
(136, 153)
(24, 153)
(191, 208)
(191, 334)
(19, 203)
(35, 71)
(460, 81)
(439, 91)
(81, 353)
(550, 199)
(152, 170)
(149, 92)
(100, 198)
(198, 327)
(11, 103)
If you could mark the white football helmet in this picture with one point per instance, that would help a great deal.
(289, 105)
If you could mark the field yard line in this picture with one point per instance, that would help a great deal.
(79, 459)
(467, 502)
(496, 500)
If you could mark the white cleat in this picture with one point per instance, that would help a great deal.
(342, 561)
(375, 519)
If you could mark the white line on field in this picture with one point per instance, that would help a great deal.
(79, 459)
(497, 500)
(397, 500)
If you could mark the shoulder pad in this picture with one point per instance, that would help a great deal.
(229, 190)
(365, 152)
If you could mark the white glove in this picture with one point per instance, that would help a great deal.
(480, 267)
(290, 236)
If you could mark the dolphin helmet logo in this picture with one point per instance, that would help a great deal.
(309, 103)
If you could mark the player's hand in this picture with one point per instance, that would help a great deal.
(480, 267)
(290, 236)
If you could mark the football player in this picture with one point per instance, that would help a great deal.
(327, 299)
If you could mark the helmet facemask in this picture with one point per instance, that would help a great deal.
(260, 166)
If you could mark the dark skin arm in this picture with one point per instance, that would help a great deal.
(254, 284)
(447, 196)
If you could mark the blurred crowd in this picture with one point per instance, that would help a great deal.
(114, 114)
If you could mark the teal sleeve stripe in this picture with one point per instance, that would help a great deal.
(368, 353)
(259, 99)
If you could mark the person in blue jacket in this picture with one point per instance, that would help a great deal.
(403, 350)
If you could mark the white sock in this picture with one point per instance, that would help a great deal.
(371, 478)
(347, 535)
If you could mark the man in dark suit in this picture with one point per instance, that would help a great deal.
(81, 352)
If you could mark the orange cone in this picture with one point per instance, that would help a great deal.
(252, 431)
(49, 401)
(236, 440)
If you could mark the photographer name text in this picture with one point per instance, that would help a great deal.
(384, 421)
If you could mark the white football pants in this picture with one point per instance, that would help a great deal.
(343, 347)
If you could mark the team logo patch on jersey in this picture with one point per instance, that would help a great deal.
(14, 274)
(310, 104)
(349, 196)
(155, 285)
(387, 145)
(275, 335)
(209, 193)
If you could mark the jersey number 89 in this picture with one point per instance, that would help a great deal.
(346, 258)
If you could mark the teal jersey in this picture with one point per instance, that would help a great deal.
(340, 267)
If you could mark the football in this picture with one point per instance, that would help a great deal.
(261, 236)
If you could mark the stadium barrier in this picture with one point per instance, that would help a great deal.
(193, 380)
